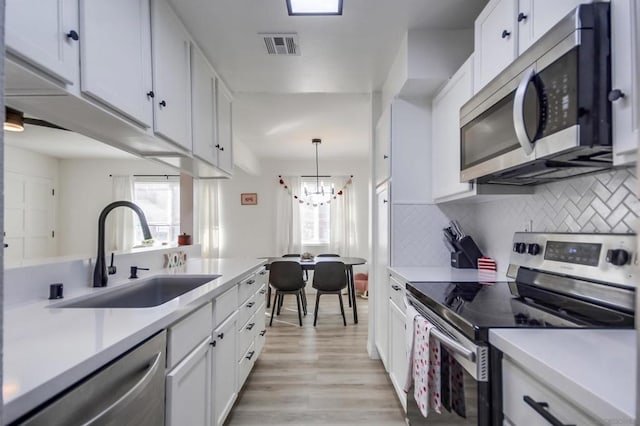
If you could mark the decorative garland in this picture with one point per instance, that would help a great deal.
(304, 200)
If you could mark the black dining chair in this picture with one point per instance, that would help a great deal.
(286, 278)
(329, 278)
(304, 293)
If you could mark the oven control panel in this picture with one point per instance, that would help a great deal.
(602, 257)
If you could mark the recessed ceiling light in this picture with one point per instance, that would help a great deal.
(314, 7)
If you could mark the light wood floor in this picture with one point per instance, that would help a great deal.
(317, 376)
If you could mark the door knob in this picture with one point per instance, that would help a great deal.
(73, 35)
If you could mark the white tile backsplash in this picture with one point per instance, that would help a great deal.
(604, 202)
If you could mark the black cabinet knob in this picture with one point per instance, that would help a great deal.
(221, 336)
(615, 94)
(222, 148)
(522, 17)
(163, 103)
(150, 94)
(385, 156)
(213, 343)
(73, 35)
(505, 34)
(617, 257)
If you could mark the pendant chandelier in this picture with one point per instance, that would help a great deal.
(320, 187)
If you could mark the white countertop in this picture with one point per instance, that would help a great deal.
(444, 273)
(48, 349)
(596, 368)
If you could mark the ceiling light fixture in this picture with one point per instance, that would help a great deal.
(320, 189)
(314, 7)
(13, 120)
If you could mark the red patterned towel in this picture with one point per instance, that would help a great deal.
(426, 367)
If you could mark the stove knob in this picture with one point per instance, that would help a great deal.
(519, 247)
(618, 257)
(533, 249)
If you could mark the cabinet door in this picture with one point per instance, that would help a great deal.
(495, 40)
(446, 134)
(36, 31)
(539, 16)
(116, 61)
(382, 147)
(203, 96)
(171, 75)
(381, 284)
(625, 70)
(225, 131)
(188, 389)
(224, 369)
(398, 357)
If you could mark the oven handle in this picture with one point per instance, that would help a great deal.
(518, 112)
(448, 341)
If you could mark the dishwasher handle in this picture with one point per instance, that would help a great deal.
(131, 393)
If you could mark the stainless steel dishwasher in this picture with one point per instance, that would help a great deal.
(127, 391)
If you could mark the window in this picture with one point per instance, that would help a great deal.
(159, 199)
(314, 220)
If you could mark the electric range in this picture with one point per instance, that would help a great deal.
(555, 280)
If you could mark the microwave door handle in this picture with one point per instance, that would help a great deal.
(518, 112)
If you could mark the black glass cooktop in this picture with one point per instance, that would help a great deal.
(474, 308)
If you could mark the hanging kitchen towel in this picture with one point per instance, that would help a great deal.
(409, 332)
(425, 367)
(435, 399)
(457, 387)
(445, 378)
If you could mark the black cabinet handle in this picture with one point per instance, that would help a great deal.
(163, 103)
(250, 326)
(505, 34)
(615, 94)
(251, 282)
(540, 408)
(221, 336)
(222, 148)
(73, 35)
(385, 201)
(396, 287)
(150, 94)
(263, 291)
(522, 17)
(263, 332)
(250, 355)
(250, 304)
(385, 156)
(218, 146)
(213, 343)
(263, 272)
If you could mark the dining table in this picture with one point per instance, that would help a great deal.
(310, 264)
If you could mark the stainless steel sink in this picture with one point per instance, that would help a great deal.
(144, 293)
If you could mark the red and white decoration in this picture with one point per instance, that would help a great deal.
(307, 200)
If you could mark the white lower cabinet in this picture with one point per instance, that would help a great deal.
(224, 369)
(398, 357)
(188, 388)
(525, 399)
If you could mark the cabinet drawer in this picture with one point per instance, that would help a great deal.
(247, 309)
(246, 336)
(247, 287)
(185, 335)
(517, 383)
(262, 276)
(245, 365)
(396, 293)
(261, 330)
(224, 305)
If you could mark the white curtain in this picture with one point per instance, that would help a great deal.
(342, 237)
(288, 236)
(209, 217)
(120, 229)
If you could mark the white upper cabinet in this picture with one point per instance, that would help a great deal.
(116, 60)
(382, 147)
(446, 135)
(171, 75)
(625, 69)
(536, 17)
(46, 35)
(203, 101)
(224, 144)
(496, 38)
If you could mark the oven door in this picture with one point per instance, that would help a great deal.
(473, 359)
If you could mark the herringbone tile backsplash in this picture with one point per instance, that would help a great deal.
(599, 203)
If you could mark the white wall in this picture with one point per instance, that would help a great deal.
(249, 231)
(85, 189)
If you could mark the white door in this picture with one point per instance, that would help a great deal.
(224, 369)
(29, 218)
(382, 147)
(36, 31)
(188, 389)
(116, 60)
(203, 99)
(381, 285)
(171, 75)
(495, 40)
(539, 16)
(398, 357)
(225, 132)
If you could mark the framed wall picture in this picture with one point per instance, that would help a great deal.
(249, 199)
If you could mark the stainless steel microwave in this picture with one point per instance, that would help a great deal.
(547, 116)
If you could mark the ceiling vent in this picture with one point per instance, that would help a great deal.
(281, 44)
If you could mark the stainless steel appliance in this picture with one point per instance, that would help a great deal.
(128, 391)
(547, 116)
(555, 280)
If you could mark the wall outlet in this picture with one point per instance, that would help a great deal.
(527, 225)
